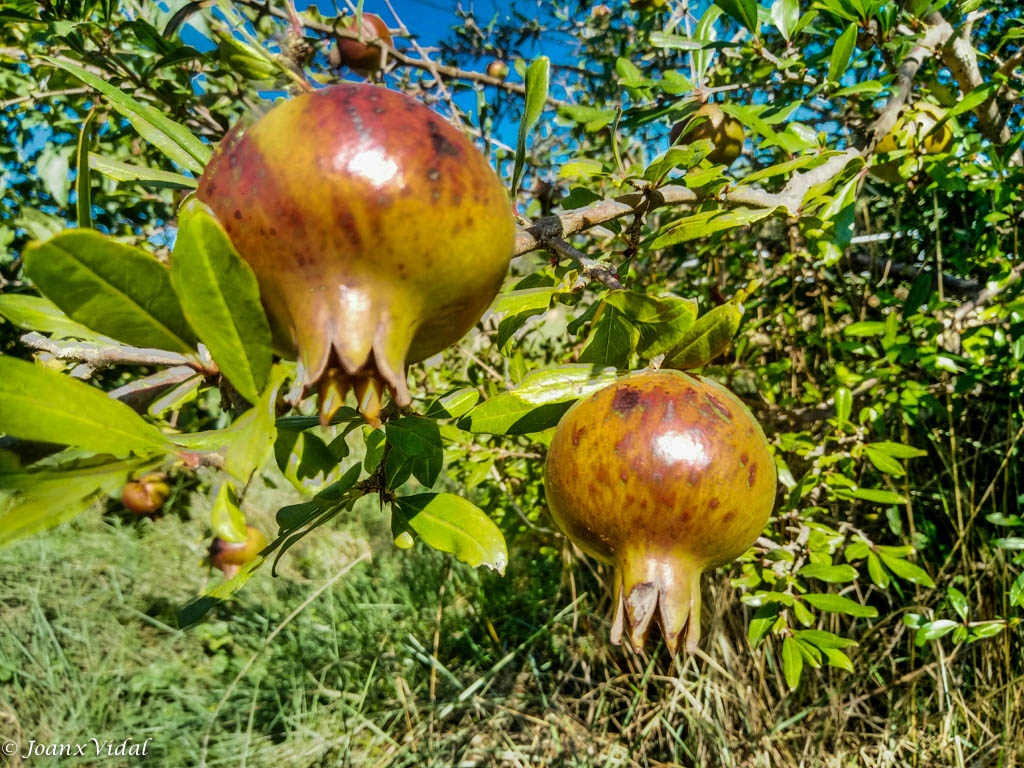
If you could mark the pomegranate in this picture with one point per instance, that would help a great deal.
(497, 69)
(377, 232)
(230, 556)
(664, 475)
(724, 131)
(362, 56)
(146, 495)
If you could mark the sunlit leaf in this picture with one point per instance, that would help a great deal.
(452, 524)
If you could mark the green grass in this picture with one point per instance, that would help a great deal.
(409, 659)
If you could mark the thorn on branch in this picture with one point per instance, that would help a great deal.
(548, 232)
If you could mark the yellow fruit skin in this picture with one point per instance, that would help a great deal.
(724, 131)
(377, 232)
(914, 131)
(664, 475)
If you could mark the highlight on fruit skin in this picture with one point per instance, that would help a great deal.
(709, 122)
(230, 556)
(664, 475)
(377, 231)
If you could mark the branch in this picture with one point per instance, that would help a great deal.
(104, 355)
(790, 199)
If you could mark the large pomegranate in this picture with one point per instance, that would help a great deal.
(377, 232)
(663, 475)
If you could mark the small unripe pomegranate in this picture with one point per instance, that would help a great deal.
(145, 496)
(377, 232)
(724, 131)
(497, 69)
(914, 130)
(230, 556)
(663, 475)
(361, 55)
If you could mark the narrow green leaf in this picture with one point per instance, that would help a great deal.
(839, 604)
(761, 623)
(83, 180)
(149, 177)
(898, 450)
(907, 571)
(705, 223)
(34, 313)
(844, 405)
(838, 659)
(538, 78)
(792, 662)
(173, 140)
(453, 405)
(506, 414)
(226, 519)
(874, 495)
(742, 11)
(865, 328)
(958, 601)
(877, 571)
(114, 289)
(452, 524)
(254, 433)
(823, 639)
(842, 52)
(833, 574)
(709, 337)
(39, 404)
(560, 383)
(883, 461)
(42, 500)
(221, 298)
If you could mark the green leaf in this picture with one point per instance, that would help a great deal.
(833, 574)
(897, 450)
(705, 223)
(254, 433)
(907, 570)
(877, 571)
(792, 662)
(34, 313)
(452, 524)
(838, 659)
(149, 177)
(786, 14)
(844, 405)
(560, 383)
(883, 461)
(538, 78)
(661, 321)
(304, 459)
(934, 630)
(173, 140)
(874, 495)
(611, 341)
(453, 405)
(839, 604)
(39, 404)
(1009, 542)
(506, 414)
(958, 601)
(709, 337)
(743, 11)
(226, 519)
(842, 52)
(114, 289)
(83, 179)
(221, 299)
(44, 499)
(416, 449)
(865, 328)
(823, 639)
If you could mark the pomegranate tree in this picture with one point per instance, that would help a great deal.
(664, 475)
(376, 230)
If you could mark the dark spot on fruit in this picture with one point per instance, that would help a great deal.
(752, 475)
(623, 475)
(442, 147)
(744, 459)
(273, 231)
(577, 433)
(625, 400)
(727, 518)
(713, 504)
(690, 397)
(238, 214)
(720, 407)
